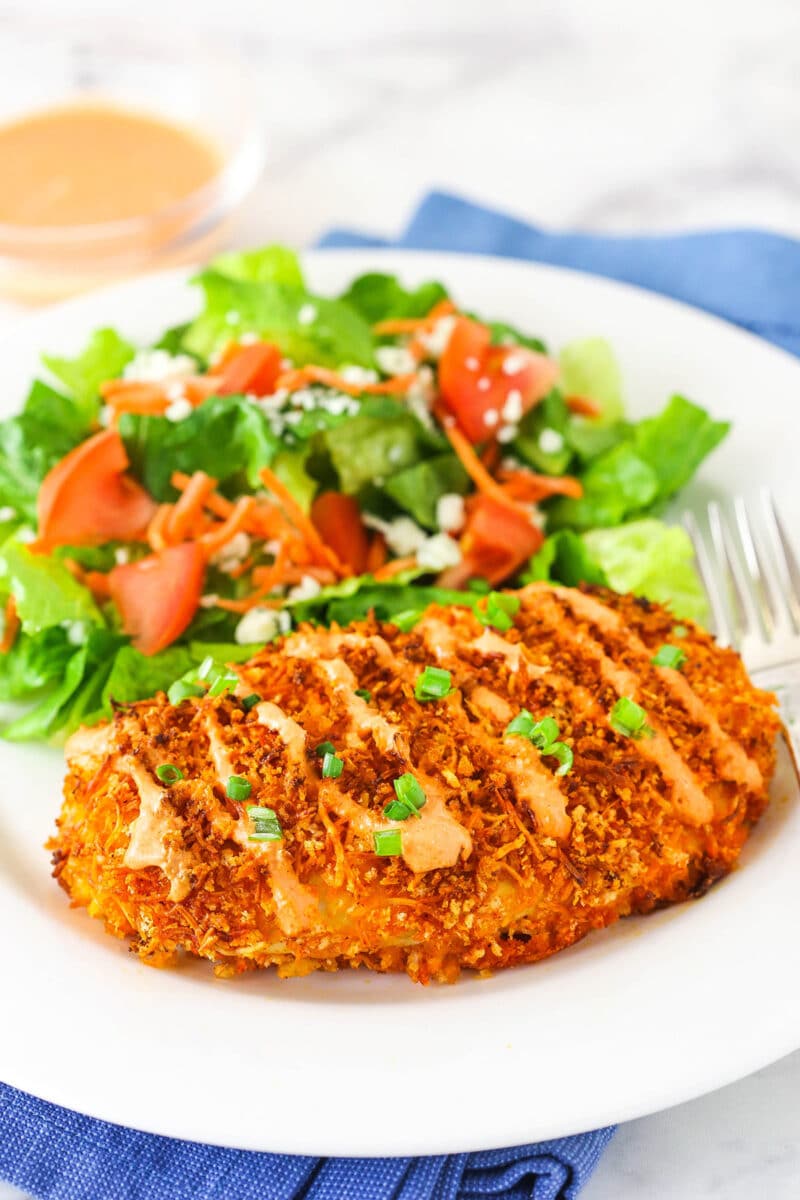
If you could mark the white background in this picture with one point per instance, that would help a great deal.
(608, 116)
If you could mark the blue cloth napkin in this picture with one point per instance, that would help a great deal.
(746, 276)
(751, 278)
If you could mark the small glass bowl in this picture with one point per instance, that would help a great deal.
(162, 73)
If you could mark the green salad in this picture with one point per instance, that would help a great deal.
(286, 457)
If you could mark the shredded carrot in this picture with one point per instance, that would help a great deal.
(221, 534)
(303, 523)
(157, 529)
(473, 466)
(390, 569)
(377, 553)
(414, 324)
(528, 486)
(583, 405)
(189, 508)
(11, 627)
(490, 455)
(242, 569)
(215, 503)
(291, 381)
(136, 396)
(97, 583)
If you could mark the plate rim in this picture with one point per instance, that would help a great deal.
(95, 300)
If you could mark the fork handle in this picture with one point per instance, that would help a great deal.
(784, 681)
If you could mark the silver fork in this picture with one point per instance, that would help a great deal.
(751, 575)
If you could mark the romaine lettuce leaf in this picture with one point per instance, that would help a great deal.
(589, 368)
(551, 413)
(676, 441)
(395, 599)
(48, 427)
(377, 297)
(104, 358)
(229, 437)
(649, 558)
(275, 264)
(645, 558)
(45, 592)
(307, 328)
(615, 485)
(33, 662)
(369, 449)
(418, 488)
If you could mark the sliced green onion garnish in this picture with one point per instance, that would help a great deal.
(410, 794)
(500, 610)
(332, 766)
(365, 694)
(669, 656)
(680, 630)
(629, 719)
(397, 810)
(544, 732)
(206, 668)
(237, 788)
(522, 725)
(388, 842)
(223, 681)
(248, 702)
(266, 826)
(168, 773)
(563, 753)
(325, 748)
(433, 684)
(544, 736)
(181, 689)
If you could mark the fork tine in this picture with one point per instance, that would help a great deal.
(787, 585)
(733, 558)
(762, 587)
(711, 575)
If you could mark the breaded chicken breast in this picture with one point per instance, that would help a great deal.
(338, 810)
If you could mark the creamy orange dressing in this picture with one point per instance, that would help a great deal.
(148, 832)
(84, 163)
(730, 754)
(87, 746)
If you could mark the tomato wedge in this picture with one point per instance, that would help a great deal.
(337, 519)
(477, 379)
(88, 498)
(495, 543)
(158, 595)
(253, 368)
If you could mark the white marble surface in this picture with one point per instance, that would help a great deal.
(611, 116)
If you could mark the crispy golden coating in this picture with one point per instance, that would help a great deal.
(507, 862)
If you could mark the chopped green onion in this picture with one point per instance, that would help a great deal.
(237, 788)
(325, 748)
(680, 630)
(181, 689)
(433, 684)
(206, 667)
(168, 773)
(266, 826)
(563, 753)
(544, 732)
(397, 810)
(628, 719)
(522, 725)
(410, 794)
(500, 610)
(365, 694)
(669, 656)
(388, 842)
(250, 701)
(223, 681)
(332, 766)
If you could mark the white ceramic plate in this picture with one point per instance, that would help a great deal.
(647, 1014)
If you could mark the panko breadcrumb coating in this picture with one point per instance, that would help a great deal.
(506, 863)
